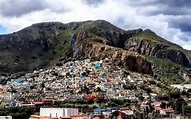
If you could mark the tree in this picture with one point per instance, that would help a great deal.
(90, 101)
(111, 104)
(140, 96)
(42, 85)
(163, 105)
(180, 104)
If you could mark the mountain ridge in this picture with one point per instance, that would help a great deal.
(44, 44)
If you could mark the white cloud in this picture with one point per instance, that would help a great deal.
(126, 14)
(187, 46)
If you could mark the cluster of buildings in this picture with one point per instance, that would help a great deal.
(74, 80)
(105, 113)
(80, 80)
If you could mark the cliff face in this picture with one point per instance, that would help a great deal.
(156, 49)
(86, 47)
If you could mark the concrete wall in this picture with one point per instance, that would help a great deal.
(71, 111)
(58, 112)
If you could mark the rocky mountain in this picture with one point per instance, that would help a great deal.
(45, 44)
(148, 43)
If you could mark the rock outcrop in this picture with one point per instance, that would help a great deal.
(120, 57)
(156, 49)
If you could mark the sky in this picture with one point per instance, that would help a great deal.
(169, 19)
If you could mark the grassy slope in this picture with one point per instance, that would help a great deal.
(166, 70)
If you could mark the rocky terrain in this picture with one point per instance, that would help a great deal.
(151, 47)
(44, 44)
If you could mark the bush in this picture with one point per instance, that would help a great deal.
(17, 112)
(152, 82)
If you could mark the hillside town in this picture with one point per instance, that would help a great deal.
(93, 89)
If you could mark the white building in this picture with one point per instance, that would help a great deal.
(58, 112)
(182, 86)
(5, 117)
